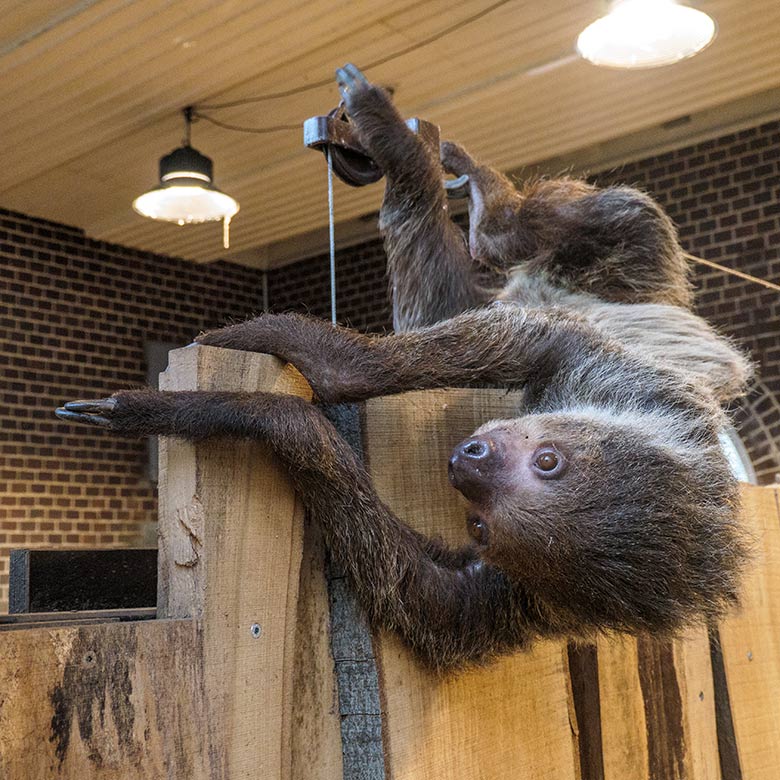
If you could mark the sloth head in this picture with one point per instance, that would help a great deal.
(605, 521)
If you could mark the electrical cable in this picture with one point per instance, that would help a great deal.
(375, 63)
(196, 114)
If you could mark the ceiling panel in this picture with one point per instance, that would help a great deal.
(92, 93)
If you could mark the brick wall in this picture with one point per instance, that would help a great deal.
(75, 315)
(723, 195)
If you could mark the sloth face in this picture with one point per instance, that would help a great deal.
(600, 519)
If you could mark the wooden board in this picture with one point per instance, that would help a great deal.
(117, 701)
(231, 546)
(750, 644)
(316, 735)
(509, 720)
(657, 708)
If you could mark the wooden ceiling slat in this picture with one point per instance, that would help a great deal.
(89, 113)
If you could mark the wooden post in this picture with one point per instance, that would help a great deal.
(509, 720)
(231, 546)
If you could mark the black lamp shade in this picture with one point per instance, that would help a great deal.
(185, 161)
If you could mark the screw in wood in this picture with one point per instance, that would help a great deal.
(255, 630)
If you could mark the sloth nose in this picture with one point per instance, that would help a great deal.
(473, 465)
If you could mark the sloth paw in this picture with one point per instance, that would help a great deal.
(455, 159)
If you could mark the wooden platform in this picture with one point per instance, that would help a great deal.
(258, 664)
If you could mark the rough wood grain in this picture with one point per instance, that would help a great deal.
(231, 541)
(623, 725)
(658, 708)
(750, 644)
(691, 655)
(316, 736)
(510, 720)
(116, 701)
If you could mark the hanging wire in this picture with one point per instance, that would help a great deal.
(188, 112)
(375, 63)
(332, 239)
(242, 129)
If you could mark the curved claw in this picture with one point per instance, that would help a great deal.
(98, 405)
(90, 412)
(91, 419)
(348, 78)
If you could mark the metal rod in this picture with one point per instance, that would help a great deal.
(332, 237)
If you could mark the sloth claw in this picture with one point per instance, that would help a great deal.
(349, 80)
(90, 412)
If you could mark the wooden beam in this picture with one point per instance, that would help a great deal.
(231, 547)
(626, 707)
(512, 719)
(79, 617)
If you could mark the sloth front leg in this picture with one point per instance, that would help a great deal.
(451, 608)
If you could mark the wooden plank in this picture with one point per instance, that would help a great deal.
(626, 707)
(691, 654)
(750, 643)
(231, 544)
(657, 708)
(623, 725)
(108, 702)
(510, 720)
(52, 580)
(316, 736)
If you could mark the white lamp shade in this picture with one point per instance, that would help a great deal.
(186, 204)
(646, 34)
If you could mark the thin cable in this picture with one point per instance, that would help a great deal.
(733, 272)
(241, 129)
(332, 237)
(375, 63)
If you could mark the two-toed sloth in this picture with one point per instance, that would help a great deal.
(607, 504)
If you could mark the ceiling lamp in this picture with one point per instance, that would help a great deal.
(645, 34)
(186, 194)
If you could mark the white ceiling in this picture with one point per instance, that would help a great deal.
(92, 91)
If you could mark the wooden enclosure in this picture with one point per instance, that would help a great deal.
(259, 665)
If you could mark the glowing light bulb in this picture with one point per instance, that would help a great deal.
(646, 34)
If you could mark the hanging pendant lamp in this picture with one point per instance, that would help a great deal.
(646, 34)
(186, 194)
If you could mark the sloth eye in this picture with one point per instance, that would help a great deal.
(548, 462)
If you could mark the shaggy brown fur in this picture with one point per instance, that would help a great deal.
(607, 505)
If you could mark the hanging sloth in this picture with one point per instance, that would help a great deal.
(607, 505)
